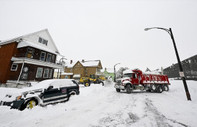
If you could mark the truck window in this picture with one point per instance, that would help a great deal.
(128, 75)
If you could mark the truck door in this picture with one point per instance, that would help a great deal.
(135, 79)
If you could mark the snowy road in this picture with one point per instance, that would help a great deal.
(99, 106)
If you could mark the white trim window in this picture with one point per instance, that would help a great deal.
(39, 72)
(53, 59)
(46, 73)
(42, 56)
(49, 57)
(50, 73)
(14, 67)
(43, 41)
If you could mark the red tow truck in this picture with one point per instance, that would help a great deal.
(136, 79)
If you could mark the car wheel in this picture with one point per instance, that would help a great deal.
(31, 104)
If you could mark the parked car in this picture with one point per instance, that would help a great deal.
(43, 93)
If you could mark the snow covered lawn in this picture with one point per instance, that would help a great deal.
(99, 106)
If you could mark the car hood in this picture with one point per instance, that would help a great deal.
(12, 95)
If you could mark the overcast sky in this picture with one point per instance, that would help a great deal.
(109, 30)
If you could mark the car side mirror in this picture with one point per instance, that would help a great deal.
(50, 87)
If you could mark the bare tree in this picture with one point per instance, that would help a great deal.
(119, 73)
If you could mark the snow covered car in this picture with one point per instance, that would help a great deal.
(43, 93)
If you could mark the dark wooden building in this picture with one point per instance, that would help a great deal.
(189, 67)
(27, 58)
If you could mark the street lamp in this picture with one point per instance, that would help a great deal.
(169, 31)
(115, 71)
(62, 62)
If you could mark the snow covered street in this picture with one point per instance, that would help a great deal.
(99, 106)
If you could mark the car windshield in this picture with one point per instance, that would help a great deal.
(128, 75)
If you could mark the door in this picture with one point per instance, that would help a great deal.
(135, 79)
(54, 95)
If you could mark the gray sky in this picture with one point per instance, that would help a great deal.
(109, 30)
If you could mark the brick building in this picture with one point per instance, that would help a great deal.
(189, 67)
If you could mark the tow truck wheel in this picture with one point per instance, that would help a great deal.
(159, 89)
(128, 88)
(165, 88)
(154, 87)
(31, 104)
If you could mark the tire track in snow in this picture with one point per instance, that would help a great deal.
(160, 119)
(124, 116)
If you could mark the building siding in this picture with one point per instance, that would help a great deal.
(84, 71)
(6, 53)
(32, 70)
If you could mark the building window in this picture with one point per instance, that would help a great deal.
(46, 73)
(14, 67)
(50, 73)
(53, 58)
(30, 53)
(43, 41)
(39, 72)
(49, 57)
(42, 56)
(24, 76)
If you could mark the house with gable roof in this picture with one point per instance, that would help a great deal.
(83, 68)
(30, 57)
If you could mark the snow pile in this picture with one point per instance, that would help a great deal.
(99, 106)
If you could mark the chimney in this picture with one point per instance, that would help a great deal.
(71, 61)
(83, 60)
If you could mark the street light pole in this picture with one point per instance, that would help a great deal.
(115, 71)
(178, 59)
(61, 61)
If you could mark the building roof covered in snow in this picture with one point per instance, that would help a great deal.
(41, 40)
(88, 63)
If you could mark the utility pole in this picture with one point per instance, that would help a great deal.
(181, 73)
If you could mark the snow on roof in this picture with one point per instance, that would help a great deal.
(91, 63)
(10, 40)
(76, 76)
(66, 73)
(70, 65)
(32, 39)
(35, 62)
(26, 43)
